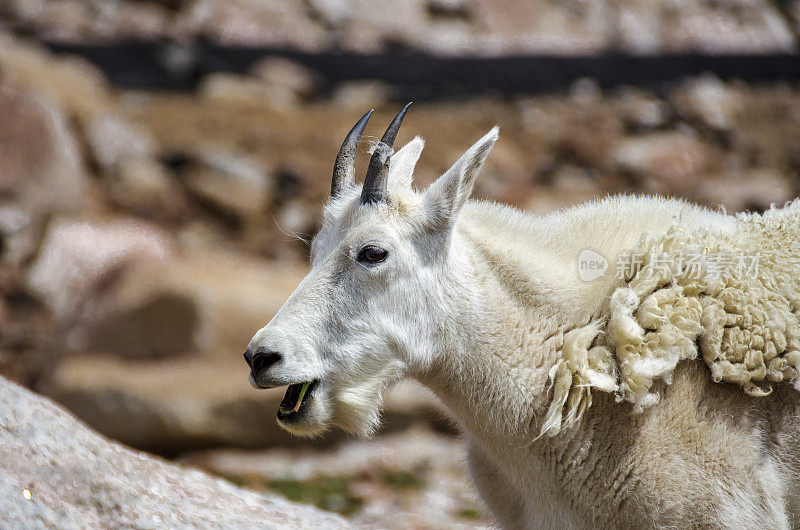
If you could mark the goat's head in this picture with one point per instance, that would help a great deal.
(376, 301)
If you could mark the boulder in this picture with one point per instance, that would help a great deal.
(205, 302)
(281, 73)
(244, 23)
(40, 162)
(710, 101)
(77, 256)
(113, 139)
(755, 189)
(57, 473)
(41, 172)
(169, 406)
(143, 186)
(666, 162)
(249, 91)
(230, 181)
(727, 26)
(73, 84)
(792, 8)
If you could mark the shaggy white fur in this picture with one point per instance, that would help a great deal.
(743, 321)
(543, 369)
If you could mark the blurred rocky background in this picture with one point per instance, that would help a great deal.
(146, 233)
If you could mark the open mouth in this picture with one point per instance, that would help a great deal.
(296, 400)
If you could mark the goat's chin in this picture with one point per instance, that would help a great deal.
(314, 421)
(358, 411)
(355, 409)
(304, 429)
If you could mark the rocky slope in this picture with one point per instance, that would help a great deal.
(145, 236)
(56, 473)
(484, 27)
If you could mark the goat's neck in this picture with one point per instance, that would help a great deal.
(492, 370)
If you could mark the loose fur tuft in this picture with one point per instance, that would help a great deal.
(744, 324)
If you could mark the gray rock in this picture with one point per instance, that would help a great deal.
(753, 189)
(56, 473)
(144, 186)
(232, 181)
(284, 73)
(213, 300)
(40, 163)
(245, 91)
(710, 101)
(41, 172)
(667, 161)
(112, 139)
(169, 406)
(76, 257)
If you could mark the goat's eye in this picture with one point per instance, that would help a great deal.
(372, 254)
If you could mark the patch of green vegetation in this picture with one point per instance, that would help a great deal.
(403, 480)
(326, 492)
(469, 513)
(235, 479)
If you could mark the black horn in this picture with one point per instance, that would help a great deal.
(378, 171)
(344, 169)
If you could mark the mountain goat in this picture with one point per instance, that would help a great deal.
(594, 391)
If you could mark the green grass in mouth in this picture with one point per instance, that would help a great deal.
(302, 394)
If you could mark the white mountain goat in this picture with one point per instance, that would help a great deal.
(660, 391)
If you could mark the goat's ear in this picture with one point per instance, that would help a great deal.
(445, 197)
(402, 163)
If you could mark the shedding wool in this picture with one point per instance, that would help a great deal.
(734, 300)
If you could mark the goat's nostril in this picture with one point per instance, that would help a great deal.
(248, 356)
(263, 360)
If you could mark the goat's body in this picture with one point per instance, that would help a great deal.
(707, 455)
(588, 400)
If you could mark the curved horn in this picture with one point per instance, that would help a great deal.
(378, 171)
(344, 169)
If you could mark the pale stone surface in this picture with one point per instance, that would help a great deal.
(41, 170)
(74, 84)
(748, 190)
(56, 473)
(671, 159)
(76, 256)
(40, 162)
(708, 99)
(231, 295)
(230, 180)
(112, 139)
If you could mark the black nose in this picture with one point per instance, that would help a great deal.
(260, 359)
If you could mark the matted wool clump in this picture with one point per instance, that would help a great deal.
(734, 300)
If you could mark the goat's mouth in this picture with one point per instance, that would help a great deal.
(296, 400)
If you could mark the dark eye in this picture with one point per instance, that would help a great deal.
(372, 254)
